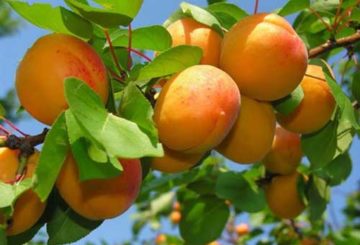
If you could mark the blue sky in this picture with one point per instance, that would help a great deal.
(12, 49)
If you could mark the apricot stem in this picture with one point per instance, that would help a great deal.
(140, 54)
(8, 122)
(129, 48)
(112, 51)
(256, 6)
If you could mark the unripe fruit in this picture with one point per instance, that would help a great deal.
(285, 154)
(196, 109)
(175, 217)
(28, 207)
(265, 56)
(251, 137)
(242, 229)
(283, 197)
(188, 31)
(174, 161)
(40, 75)
(100, 199)
(316, 108)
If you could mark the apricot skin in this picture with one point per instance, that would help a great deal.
(188, 31)
(265, 56)
(100, 199)
(196, 109)
(28, 207)
(40, 75)
(316, 108)
(251, 137)
(283, 197)
(285, 154)
(174, 162)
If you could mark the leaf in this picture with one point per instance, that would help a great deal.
(289, 103)
(53, 154)
(3, 236)
(355, 88)
(150, 38)
(338, 170)
(130, 7)
(11, 192)
(318, 196)
(57, 19)
(227, 13)
(136, 108)
(243, 194)
(293, 6)
(311, 143)
(203, 219)
(114, 15)
(66, 226)
(171, 61)
(2, 111)
(117, 136)
(201, 15)
(96, 167)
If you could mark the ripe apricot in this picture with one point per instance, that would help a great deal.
(99, 199)
(283, 197)
(285, 154)
(196, 109)
(175, 217)
(174, 161)
(40, 75)
(28, 207)
(242, 229)
(160, 239)
(188, 31)
(265, 56)
(252, 135)
(316, 108)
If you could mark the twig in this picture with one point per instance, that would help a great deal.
(328, 27)
(129, 48)
(112, 51)
(256, 6)
(13, 126)
(4, 130)
(140, 54)
(296, 228)
(332, 44)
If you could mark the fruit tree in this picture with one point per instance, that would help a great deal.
(219, 112)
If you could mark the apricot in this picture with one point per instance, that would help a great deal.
(196, 109)
(160, 239)
(175, 217)
(283, 197)
(285, 154)
(103, 198)
(265, 56)
(242, 229)
(251, 137)
(40, 75)
(28, 207)
(188, 31)
(174, 161)
(316, 108)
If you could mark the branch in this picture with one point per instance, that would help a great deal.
(332, 44)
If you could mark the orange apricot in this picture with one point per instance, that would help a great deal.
(175, 217)
(188, 31)
(100, 199)
(28, 207)
(265, 56)
(160, 239)
(285, 154)
(196, 109)
(283, 197)
(40, 75)
(174, 161)
(242, 229)
(316, 108)
(251, 137)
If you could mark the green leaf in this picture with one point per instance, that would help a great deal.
(337, 171)
(203, 219)
(289, 103)
(171, 61)
(66, 226)
(150, 38)
(245, 195)
(311, 143)
(227, 13)
(57, 19)
(215, 1)
(136, 108)
(11, 192)
(355, 86)
(318, 196)
(53, 154)
(2, 111)
(113, 15)
(293, 6)
(96, 167)
(201, 15)
(3, 236)
(117, 136)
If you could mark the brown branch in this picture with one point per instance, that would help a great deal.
(26, 144)
(332, 44)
